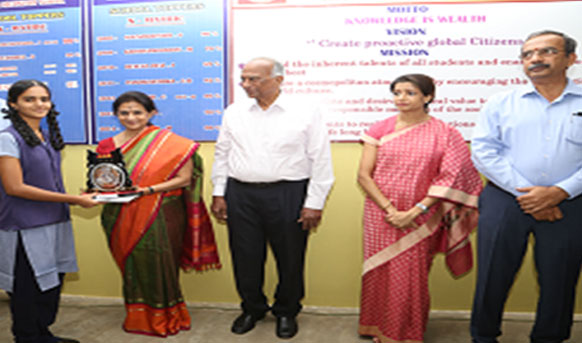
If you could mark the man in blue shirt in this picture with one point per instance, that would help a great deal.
(528, 143)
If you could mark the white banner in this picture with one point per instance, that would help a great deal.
(342, 56)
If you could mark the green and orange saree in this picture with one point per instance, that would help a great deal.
(153, 236)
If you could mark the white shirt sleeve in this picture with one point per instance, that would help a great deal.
(8, 145)
(319, 153)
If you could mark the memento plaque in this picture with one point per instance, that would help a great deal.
(107, 172)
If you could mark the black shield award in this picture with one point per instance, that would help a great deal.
(107, 172)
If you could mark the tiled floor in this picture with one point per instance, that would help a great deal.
(102, 324)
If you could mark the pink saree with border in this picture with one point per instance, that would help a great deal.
(430, 158)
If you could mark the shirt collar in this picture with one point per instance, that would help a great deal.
(571, 88)
(281, 103)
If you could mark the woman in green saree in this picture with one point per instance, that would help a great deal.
(164, 229)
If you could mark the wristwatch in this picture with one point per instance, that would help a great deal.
(422, 206)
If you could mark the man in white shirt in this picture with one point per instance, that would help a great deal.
(272, 173)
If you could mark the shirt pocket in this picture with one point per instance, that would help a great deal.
(574, 131)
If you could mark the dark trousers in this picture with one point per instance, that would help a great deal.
(267, 213)
(33, 311)
(503, 235)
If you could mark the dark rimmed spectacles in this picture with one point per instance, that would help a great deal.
(542, 52)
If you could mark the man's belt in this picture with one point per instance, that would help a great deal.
(267, 184)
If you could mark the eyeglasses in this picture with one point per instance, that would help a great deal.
(253, 79)
(542, 52)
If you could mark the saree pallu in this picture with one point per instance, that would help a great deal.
(153, 236)
(431, 159)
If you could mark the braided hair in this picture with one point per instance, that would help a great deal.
(20, 125)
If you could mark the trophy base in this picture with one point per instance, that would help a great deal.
(117, 197)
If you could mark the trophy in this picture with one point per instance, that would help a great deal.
(108, 176)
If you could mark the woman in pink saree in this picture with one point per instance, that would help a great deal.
(421, 199)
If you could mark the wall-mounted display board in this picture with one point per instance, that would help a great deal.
(342, 55)
(42, 39)
(171, 50)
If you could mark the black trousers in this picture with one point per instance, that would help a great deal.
(33, 310)
(503, 235)
(267, 213)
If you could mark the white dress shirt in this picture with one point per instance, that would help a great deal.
(521, 139)
(287, 141)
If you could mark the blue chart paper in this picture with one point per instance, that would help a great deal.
(42, 40)
(170, 50)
